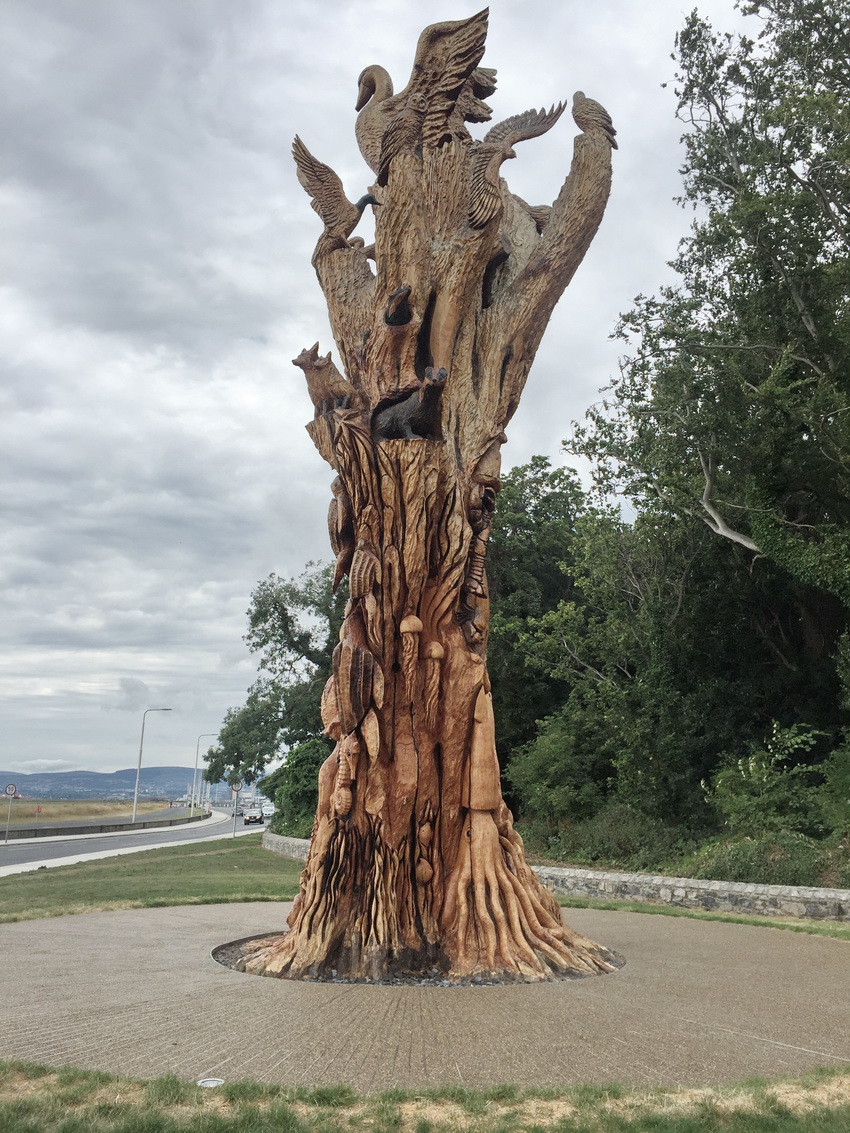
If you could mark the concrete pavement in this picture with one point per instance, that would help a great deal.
(699, 1002)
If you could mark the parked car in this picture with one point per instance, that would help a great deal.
(253, 815)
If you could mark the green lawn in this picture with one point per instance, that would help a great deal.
(230, 869)
(38, 1099)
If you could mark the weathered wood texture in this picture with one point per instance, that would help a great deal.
(414, 863)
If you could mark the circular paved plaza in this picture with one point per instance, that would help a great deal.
(698, 1002)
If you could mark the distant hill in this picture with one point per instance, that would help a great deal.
(157, 782)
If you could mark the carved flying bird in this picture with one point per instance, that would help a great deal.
(590, 115)
(339, 215)
(446, 56)
(485, 196)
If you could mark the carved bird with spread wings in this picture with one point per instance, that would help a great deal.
(447, 54)
(485, 199)
(339, 215)
(591, 116)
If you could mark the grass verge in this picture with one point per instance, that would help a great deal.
(38, 1099)
(229, 869)
(72, 810)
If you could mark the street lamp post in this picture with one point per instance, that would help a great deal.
(205, 735)
(139, 767)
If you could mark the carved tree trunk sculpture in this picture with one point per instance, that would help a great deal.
(414, 863)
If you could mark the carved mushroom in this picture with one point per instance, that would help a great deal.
(410, 628)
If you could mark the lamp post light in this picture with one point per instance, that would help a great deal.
(205, 735)
(139, 767)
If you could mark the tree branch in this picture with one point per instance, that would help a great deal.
(715, 520)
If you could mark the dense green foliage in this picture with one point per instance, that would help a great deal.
(294, 788)
(704, 675)
(532, 533)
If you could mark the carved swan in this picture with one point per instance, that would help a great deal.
(447, 54)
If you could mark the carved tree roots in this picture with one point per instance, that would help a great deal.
(414, 864)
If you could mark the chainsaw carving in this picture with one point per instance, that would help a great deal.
(414, 862)
(339, 215)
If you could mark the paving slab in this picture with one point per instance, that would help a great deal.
(698, 1003)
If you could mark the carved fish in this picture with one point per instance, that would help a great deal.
(353, 668)
(378, 685)
(370, 730)
(330, 710)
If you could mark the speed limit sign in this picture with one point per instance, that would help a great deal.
(11, 789)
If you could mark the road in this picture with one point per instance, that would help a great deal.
(30, 854)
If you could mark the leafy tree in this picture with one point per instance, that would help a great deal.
(294, 788)
(734, 406)
(674, 652)
(249, 736)
(730, 417)
(530, 542)
(293, 625)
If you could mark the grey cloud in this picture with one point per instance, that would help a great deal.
(156, 284)
(133, 695)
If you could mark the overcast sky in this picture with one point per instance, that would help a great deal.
(156, 284)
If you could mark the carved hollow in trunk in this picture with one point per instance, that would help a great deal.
(415, 868)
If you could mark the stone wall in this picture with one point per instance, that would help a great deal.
(691, 893)
(685, 892)
(287, 847)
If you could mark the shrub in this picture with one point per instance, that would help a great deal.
(296, 788)
(835, 793)
(765, 792)
(616, 835)
(770, 859)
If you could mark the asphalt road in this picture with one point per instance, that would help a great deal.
(24, 855)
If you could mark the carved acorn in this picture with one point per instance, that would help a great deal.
(424, 872)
